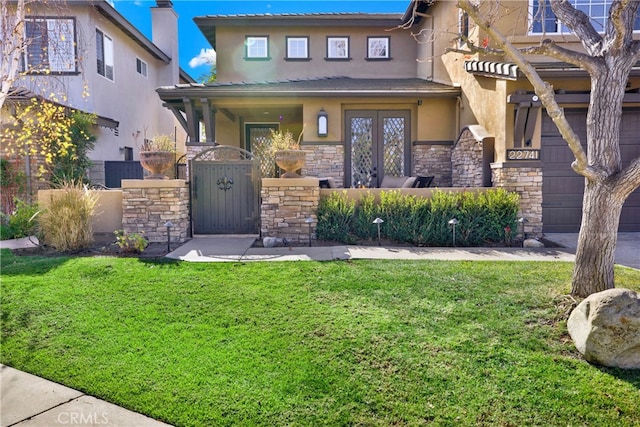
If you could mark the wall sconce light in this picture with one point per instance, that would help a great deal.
(323, 125)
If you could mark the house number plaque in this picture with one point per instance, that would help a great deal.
(523, 154)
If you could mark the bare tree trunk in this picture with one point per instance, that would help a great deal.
(593, 269)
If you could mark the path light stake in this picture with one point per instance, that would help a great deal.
(378, 221)
(521, 222)
(453, 222)
(309, 221)
(168, 224)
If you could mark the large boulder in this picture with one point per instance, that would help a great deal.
(605, 328)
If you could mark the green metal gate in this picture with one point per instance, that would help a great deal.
(225, 191)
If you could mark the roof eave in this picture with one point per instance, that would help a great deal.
(106, 10)
(177, 94)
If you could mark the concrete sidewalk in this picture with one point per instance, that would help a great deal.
(27, 400)
(239, 249)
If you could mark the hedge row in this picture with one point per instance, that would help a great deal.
(483, 217)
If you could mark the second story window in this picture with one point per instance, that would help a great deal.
(141, 67)
(104, 54)
(51, 45)
(297, 48)
(338, 48)
(543, 20)
(378, 48)
(257, 47)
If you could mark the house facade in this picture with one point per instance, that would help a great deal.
(87, 56)
(378, 94)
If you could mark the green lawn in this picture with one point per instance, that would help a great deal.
(308, 343)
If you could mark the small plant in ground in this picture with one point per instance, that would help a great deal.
(22, 222)
(66, 224)
(131, 242)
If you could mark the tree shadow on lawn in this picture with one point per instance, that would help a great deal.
(631, 376)
(42, 259)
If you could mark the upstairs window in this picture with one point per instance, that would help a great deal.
(257, 47)
(51, 45)
(297, 48)
(104, 54)
(543, 20)
(378, 48)
(141, 67)
(338, 48)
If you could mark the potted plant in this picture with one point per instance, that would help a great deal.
(157, 155)
(287, 152)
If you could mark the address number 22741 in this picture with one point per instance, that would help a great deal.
(523, 154)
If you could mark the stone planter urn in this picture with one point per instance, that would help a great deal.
(157, 162)
(290, 161)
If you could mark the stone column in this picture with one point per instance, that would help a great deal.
(526, 180)
(147, 205)
(286, 204)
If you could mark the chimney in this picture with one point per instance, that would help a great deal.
(164, 31)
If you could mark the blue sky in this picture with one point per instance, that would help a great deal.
(193, 43)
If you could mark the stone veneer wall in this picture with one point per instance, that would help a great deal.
(286, 204)
(147, 205)
(526, 180)
(325, 161)
(433, 159)
(466, 161)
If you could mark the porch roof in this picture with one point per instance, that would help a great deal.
(316, 87)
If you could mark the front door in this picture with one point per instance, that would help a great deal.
(378, 143)
(256, 139)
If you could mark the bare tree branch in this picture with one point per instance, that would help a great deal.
(550, 48)
(13, 46)
(543, 89)
(580, 24)
(629, 178)
(622, 11)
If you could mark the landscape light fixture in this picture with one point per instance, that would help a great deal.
(453, 222)
(168, 224)
(378, 221)
(323, 123)
(521, 222)
(309, 221)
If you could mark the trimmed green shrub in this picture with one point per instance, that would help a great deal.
(482, 217)
(66, 225)
(366, 210)
(335, 216)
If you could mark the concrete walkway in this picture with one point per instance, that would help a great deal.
(27, 400)
(235, 249)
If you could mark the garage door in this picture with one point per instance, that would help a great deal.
(562, 188)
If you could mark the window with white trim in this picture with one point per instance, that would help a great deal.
(297, 47)
(141, 67)
(104, 54)
(337, 47)
(378, 48)
(257, 47)
(51, 45)
(543, 20)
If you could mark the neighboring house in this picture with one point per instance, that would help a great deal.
(396, 104)
(90, 58)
